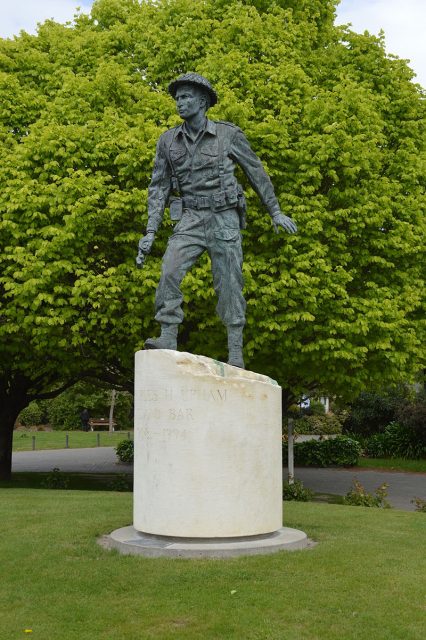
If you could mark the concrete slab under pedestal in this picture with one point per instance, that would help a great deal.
(128, 541)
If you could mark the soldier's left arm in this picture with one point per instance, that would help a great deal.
(243, 154)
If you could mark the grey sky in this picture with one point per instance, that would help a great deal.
(404, 22)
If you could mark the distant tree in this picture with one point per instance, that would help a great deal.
(338, 125)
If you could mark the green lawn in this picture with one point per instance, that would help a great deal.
(363, 580)
(393, 464)
(23, 440)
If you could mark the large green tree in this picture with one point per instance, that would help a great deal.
(338, 125)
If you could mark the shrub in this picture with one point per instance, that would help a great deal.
(325, 424)
(397, 441)
(33, 414)
(358, 496)
(362, 440)
(412, 415)
(375, 446)
(316, 408)
(420, 504)
(372, 412)
(125, 451)
(55, 480)
(123, 412)
(63, 414)
(120, 483)
(297, 491)
(340, 451)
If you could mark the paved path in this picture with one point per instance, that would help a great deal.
(403, 487)
(96, 460)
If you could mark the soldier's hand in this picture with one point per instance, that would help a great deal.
(144, 247)
(281, 221)
(145, 243)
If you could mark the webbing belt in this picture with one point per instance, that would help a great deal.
(197, 202)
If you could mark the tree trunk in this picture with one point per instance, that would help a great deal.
(111, 409)
(9, 411)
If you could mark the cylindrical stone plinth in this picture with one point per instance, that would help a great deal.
(207, 448)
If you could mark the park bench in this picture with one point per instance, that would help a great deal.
(100, 424)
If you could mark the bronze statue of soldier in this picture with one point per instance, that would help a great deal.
(194, 176)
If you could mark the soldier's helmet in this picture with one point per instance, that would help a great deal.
(194, 78)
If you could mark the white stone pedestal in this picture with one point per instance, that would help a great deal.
(207, 469)
(207, 448)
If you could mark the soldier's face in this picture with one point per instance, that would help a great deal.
(189, 101)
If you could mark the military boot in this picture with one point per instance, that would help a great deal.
(235, 346)
(167, 339)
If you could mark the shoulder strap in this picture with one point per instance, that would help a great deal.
(221, 163)
(175, 181)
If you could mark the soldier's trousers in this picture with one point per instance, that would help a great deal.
(218, 233)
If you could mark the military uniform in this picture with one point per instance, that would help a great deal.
(209, 212)
(194, 175)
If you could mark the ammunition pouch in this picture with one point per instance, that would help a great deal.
(175, 208)
(232, 198)
(219, 200)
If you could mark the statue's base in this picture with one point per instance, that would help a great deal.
(128, 541)
(208, 461)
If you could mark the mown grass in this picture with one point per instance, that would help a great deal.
(23, 440)
(393, 464)
(363, 580)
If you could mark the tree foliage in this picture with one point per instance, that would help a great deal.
(338, 125)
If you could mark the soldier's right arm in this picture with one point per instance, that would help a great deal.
(159, 188)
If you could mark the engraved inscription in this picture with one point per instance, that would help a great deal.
(166, 395)
(163, 434)
(215, 395)
(156, 395)
(150, 414)
(180, 414)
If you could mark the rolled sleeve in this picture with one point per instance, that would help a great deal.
(159, 188)
(242, 153)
